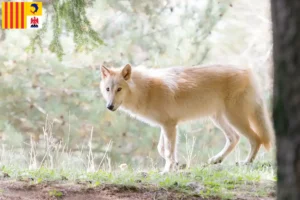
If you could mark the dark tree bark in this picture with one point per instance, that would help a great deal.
(286, 104)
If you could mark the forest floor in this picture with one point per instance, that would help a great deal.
(251, 182)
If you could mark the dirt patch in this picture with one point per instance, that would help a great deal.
(18, 190)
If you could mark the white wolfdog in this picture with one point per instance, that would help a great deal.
(169, 96)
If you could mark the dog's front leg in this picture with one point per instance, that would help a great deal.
(169, 134)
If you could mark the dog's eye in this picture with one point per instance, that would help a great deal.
(107, 89)
(119, 89)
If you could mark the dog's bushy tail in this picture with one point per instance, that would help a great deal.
(263, 125)
(261, 120)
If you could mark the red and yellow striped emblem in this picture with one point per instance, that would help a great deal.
(14, 14)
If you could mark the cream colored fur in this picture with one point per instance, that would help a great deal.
(169, 96)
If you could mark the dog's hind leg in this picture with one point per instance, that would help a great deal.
(232, 138)
(240, 121)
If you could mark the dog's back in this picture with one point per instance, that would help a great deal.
(187, 93)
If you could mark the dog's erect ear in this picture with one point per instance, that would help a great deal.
(105, 72)
(126, 72)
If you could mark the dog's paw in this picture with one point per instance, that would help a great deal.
(215, 160)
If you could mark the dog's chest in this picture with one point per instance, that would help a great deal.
(145, 117)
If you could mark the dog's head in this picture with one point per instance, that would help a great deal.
(114, 86)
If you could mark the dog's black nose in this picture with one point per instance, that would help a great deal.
(110, 107)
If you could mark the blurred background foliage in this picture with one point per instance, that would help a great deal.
(53, 73)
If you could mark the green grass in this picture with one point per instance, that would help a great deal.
(224, 181)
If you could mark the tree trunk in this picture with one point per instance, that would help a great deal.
(286, 103)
